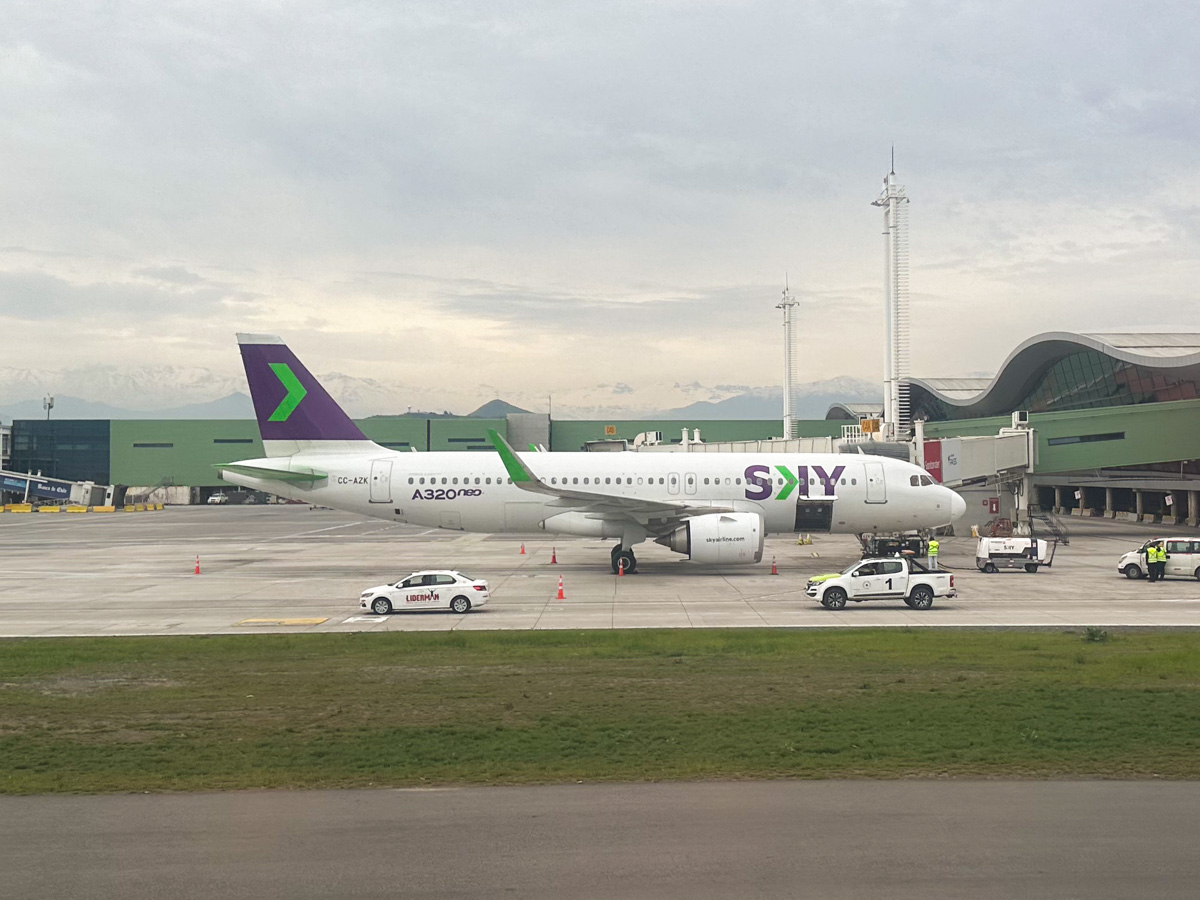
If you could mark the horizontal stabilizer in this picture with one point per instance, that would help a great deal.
(299, 473)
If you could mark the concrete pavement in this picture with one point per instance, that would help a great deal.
(289, 568)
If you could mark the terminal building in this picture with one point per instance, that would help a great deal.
(1113, 422)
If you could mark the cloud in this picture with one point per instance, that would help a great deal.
(593, 192)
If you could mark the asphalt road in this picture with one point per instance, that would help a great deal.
(901, 839)
(289, 568)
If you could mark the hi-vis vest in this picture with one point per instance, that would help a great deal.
(933, 548)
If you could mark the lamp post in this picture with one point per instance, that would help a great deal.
(48, 404)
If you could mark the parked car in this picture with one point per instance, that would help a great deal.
(218, 497)
(1183, 558)
(898, 578)
(434, 589)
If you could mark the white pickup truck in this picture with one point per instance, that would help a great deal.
(894, 577)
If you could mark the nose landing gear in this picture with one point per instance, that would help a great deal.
(624, 558)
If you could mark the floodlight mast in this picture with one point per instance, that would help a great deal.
(790, 362)
(897, 413)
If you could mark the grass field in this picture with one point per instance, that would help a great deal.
(188, 713)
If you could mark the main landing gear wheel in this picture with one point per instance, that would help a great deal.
(623, 558)
(835, 598)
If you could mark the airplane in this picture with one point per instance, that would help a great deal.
(711, 507)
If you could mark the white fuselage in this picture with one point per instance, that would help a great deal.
(472, 491)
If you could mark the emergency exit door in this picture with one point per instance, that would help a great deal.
(381, 481)
(876, 486)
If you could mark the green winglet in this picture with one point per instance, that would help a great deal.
(295, 392)
(516, 469)
(791, 483)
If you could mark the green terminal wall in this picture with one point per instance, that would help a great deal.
(1111, 437)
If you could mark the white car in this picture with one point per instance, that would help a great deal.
(1183, 558)
(218, 497)
(896, 577)
(434, 589)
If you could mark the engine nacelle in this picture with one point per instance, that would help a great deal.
(724, 538)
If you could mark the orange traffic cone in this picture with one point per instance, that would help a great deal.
(774, 568)
(561, 595)
(197, 563)
(553, 557)
(522, 548)
(621, 567)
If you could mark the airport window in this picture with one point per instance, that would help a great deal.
(454, 481)
(487, 480)
(618, 479)
(854, 481)
(151, 446)
(410, 481)
(926, 480)
(575, 480)
(706, 481)
(914, 480)
(737, 481)
(608, 481)
(1081, 438)
(509, 480)
(843, 482)
(233, 440)
(477, 481)
(420, 481)
(639, 479)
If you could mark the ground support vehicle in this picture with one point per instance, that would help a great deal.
(1183, 558)
(890, 578)
(437, 589)
(1028, 553)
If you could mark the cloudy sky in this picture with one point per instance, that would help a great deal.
(543, 195)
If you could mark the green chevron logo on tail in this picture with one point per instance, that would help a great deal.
(295, 392)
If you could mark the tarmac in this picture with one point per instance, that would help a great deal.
(292, 568)
(1098, 840)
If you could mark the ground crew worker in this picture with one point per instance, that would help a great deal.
(1154, 566)
(933, 552)
(1162, 561)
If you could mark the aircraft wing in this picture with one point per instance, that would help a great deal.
(665, 513)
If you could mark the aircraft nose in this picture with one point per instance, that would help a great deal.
(958, 506)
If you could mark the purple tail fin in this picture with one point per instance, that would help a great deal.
(289, 403)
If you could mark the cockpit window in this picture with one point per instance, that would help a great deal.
(925, 479)
(915, 480)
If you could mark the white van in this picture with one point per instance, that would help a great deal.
(1183, 558)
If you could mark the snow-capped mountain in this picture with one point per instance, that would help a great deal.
(196, 392)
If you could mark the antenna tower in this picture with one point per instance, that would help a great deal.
(897, 413)
(791, 362)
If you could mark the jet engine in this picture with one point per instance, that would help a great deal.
(725, 538)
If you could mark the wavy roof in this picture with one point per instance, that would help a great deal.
(1177, 352)
(1174, 353)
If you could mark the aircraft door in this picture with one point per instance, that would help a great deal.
(381, 481)
(689, 483)
(673, 483)
(876, 485)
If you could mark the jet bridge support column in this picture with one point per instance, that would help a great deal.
(1058, 501)
(1139, 504)
(1193, 508)
(1109, 512)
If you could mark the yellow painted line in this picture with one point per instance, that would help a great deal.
(313, 621)
(49, 509)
